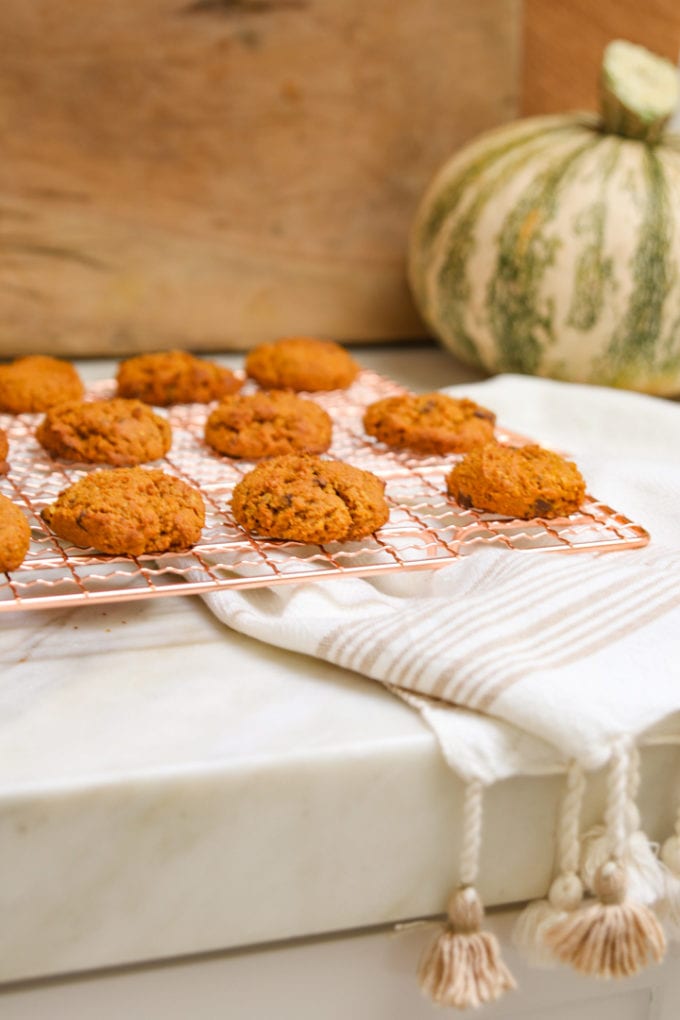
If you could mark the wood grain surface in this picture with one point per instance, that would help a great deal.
(564, 42)
(212, 173)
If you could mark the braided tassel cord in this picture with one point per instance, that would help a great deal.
(463, 967)
(645, 875)
(614, 936)
(566, 890)
(669, 905)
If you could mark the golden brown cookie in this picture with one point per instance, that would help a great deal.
(36, 383)
(15, 535)
(4, 450)
(301, 363)
(118, 431)
(268, 424)
(174, 377)
(306, 499)
(429, 423)
(524, 482)
(128, 511)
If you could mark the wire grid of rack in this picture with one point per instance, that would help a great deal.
(426, 529)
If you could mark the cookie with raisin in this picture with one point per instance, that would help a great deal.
(15, 535)
(307, 499)
(429, 423)
(120, 432)
(36, 383)
(301, 363)
(268, 424)
(174, 377)
(524, 482)
(128, 511)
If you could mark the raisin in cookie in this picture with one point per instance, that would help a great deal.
(128, 511)
(15, 535)
(301, 363)
(118, 431)
(268, 424)
(429, 423)
(524, 482)
(36, 383)
(306, 499)
(174, 377)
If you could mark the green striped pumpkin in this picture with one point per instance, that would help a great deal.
(551, 246)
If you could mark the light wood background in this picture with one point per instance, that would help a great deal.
(212, 173)
(564, 41)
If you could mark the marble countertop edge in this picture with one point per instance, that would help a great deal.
(418, 745)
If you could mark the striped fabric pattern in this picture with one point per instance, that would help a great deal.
(564, 612)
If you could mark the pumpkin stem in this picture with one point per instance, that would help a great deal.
(639, 92)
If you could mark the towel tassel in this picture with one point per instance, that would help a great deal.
(463, 967)
(669, 905)
(615, 936)
(645, 875)
(566, 889)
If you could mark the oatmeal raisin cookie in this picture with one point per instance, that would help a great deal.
(301, 363)
(15, 535)
(268, 424)
(128, 511)
(429, 423)
(524, 482)
(174, 377)
(306, 499)
(36, 383)
(118, 431)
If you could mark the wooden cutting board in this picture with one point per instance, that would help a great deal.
(212, 173)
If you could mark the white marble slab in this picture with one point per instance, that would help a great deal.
(169, 787)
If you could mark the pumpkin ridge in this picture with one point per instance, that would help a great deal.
(635, 341)
(436, 212)
(523, 256)
(441, 208)
(451, 285)
(593, 270)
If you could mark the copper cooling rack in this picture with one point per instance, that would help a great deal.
(426, 529)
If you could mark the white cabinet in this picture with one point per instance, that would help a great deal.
(363, 976)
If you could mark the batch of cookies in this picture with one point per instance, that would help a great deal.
(292, 493)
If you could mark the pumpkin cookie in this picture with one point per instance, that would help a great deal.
(128, 511)
(301, 363)
(15, 535)
(118, 431)
(306, 499)
(524, 482)
(36, 383)
(268, 425)
(4, 450)
(174, 377)
(429, 423)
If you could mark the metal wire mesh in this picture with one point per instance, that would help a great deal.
(426, 529)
